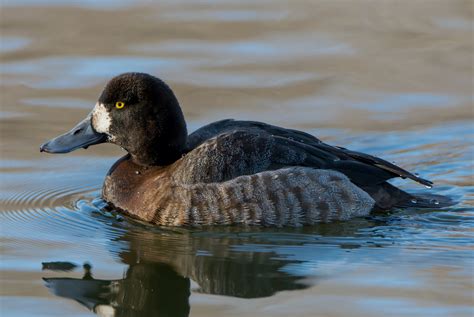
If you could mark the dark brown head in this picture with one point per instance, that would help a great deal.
(136, 111)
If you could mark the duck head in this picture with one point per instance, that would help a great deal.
(136, 111)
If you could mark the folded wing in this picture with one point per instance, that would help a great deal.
(272, 147)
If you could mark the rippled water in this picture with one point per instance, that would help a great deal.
(391, 78)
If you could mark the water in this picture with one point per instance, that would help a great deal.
(389, 78)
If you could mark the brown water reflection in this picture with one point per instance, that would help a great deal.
(393, 78)
(157, 281)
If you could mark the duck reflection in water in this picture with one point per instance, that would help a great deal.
(157, 281)
(147, 289)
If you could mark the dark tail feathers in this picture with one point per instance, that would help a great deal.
(387, 196)
(426, 201)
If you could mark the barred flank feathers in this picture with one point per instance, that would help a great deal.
(287, 197)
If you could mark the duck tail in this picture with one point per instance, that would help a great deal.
(387, 196)
(426, 201)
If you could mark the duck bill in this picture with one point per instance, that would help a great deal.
(82, 135)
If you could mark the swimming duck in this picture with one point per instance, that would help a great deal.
(227, 172)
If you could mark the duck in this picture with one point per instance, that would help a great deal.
(229, 172)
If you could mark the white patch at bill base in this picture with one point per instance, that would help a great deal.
(101, 119)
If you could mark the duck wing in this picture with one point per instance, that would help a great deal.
(287, 147)
(213, 129)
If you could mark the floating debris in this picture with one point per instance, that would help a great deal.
(59, 266)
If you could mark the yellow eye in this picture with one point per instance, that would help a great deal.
(119, 105)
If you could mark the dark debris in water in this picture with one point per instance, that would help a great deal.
(59, 266)
(64, 266)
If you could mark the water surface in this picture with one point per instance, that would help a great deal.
(391, 78)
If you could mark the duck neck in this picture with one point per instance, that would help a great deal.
(163, 142)
(160, 155)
